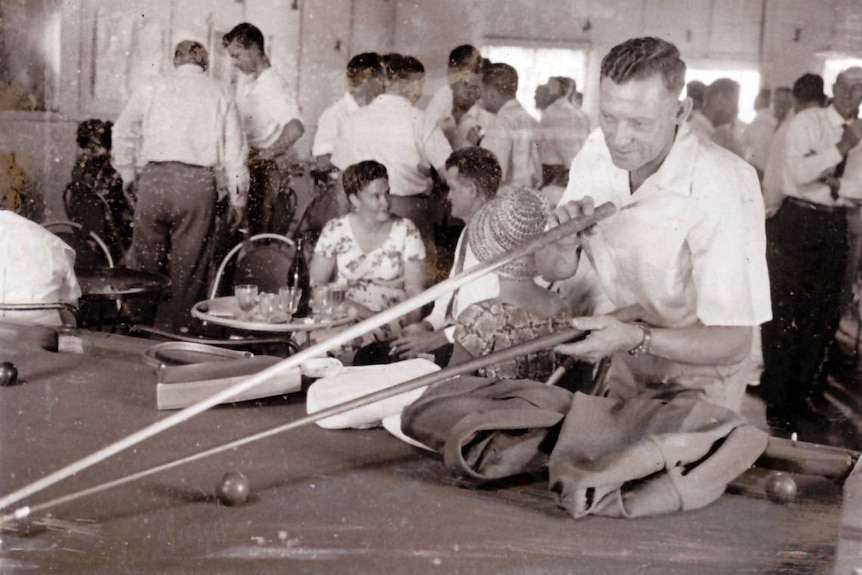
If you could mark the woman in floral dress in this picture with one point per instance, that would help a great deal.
(379, 256)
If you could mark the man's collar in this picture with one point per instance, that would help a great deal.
(675, 172)
(189, 69)
(835, 119)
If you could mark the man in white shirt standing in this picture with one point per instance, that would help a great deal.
(365, 82)
(562, 129)
(270, 118)
(473, 175)
(392, 131)
(171, 138)
(454, 107)
(759, 133)
(513, 136)
(820, 175)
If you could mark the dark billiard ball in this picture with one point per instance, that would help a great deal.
(780, 488)
(233, 489)
(8, 374)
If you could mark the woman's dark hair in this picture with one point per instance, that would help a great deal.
(357, 176)
(93, 134)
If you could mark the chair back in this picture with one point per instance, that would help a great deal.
(262, 259)
(91, 250)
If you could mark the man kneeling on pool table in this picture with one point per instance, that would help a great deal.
(687, 245)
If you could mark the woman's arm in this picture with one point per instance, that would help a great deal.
(321, 269)
(414, 284)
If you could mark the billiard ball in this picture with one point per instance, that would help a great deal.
(780, 488)
(233, 489)
(8, 374)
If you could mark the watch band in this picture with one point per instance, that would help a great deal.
(643, 348)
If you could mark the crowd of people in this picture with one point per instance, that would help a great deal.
(724, 235)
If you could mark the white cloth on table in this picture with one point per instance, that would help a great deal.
(35, 267)
(353, 382)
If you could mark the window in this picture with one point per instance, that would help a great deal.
(535, 63)
(749, 84)
(832, 67)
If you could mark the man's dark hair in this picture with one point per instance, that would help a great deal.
(465, 58)
(640, 58)
(357, 176)
(245, 34)
(363, 67)
(502, 77)
(808, 88)
(479, 165)
(399, 67)
(567, 85)
(696, 91)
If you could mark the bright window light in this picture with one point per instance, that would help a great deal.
(832, 67)
(749, 85)
(535, 64)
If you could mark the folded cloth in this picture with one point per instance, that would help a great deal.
(605, 456)
(642, 457)
(488, 429)
(353, 382)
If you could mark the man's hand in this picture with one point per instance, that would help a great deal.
(417, 338)
(850, 136)
(559, 260)
(235, 217)
(607, 335)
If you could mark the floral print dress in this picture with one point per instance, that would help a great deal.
(374, 279)
(491, 325)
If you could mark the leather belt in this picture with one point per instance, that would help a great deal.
(816, 207)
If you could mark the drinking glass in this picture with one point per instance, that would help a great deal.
(288, 300)
(321, 301)
(337, 291)
(246, 298)
(267, 305)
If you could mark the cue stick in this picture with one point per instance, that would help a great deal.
(547, 238)
(538, 344)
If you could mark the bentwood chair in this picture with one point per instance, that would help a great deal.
(262, 259)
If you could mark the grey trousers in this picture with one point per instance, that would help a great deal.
(174, 220)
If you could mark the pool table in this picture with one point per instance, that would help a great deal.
(329, 501)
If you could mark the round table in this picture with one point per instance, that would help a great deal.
(225, 311)
(101, 285)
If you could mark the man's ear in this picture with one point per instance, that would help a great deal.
(684, 110)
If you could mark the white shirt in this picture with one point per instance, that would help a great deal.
(513, 137)
(395, 133)
(440, 106)
(187, 117)
(35, 267)
(758, 137)
(562, 131)
(265, 107)
(482, 288)
(811, 153)
(689, 246)
(773, 177)
(330, 124)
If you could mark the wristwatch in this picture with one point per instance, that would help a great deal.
(644, 346)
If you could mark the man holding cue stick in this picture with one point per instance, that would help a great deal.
(687, 245)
